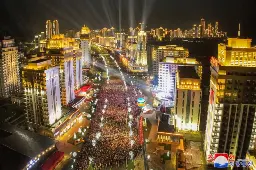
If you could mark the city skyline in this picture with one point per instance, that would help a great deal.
(105, 14)
(127, 84)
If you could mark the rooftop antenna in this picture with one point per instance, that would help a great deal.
(239, 30)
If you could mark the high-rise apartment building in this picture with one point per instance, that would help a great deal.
(85, 46)
(160, 33)
(159, 53)
(194, 31)
(168, 75)
(9, 67)
(55, 27)
(60, 51)
(188, 99)
(141, 49)
(48, 31)
(42, 93)
(202, 33)
(209, 30)
(78, 69)
(216, 29)
(231, 121)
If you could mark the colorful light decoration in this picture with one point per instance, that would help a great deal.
(141, 102)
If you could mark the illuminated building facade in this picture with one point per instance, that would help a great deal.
(216, 29)
(60, 50)
(158, 54)
(132, 37)
(120, 40)
(188, 99)
(160, 33)
(42, 93)
(167, 75)
(231, 121)
(9, 67)
(48, 30)
(55, 27)
(85, 46)
(202, 32)
(141, 58)
(78, 69)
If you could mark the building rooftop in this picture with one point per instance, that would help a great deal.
(18, 146)
(39, 60)
(164, 125)
(188, 72)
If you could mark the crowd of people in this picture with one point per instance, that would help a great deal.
(114, 145)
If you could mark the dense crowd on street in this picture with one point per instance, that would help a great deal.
(113, 147)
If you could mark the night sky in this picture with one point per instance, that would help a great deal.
(24, 18)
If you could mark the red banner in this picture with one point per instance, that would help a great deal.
(141, 139)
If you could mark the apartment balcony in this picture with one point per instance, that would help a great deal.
(212, 147)
(216, 120)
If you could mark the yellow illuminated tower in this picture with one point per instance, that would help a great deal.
(141, 59)
(40, 81)
(202, 33)
(61, 52)
(48, 31)
(231, 121)
(9, 64)
(188, 99)
(55, 27)
(209, 30)
(216, 29)
(85, 46)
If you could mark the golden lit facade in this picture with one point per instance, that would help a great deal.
(55, 27)
(42, 93)
(48, 29)
(188, 99)
(160, 33)
(231, 121)
(60, 41)
(9, 66)
(141, 58)
(107, 37)
(85, 46)
(238, 52)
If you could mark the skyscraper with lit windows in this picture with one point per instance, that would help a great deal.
(48, 31)
(9, 67)
(188, 99)
(78, 69)
(55, 27)
(202, 33)
(141, 47)
(231, 121)
(85, 46)
(42, 93)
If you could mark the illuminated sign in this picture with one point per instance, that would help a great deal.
(223, 160)
(211, 96)
(141, 102)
